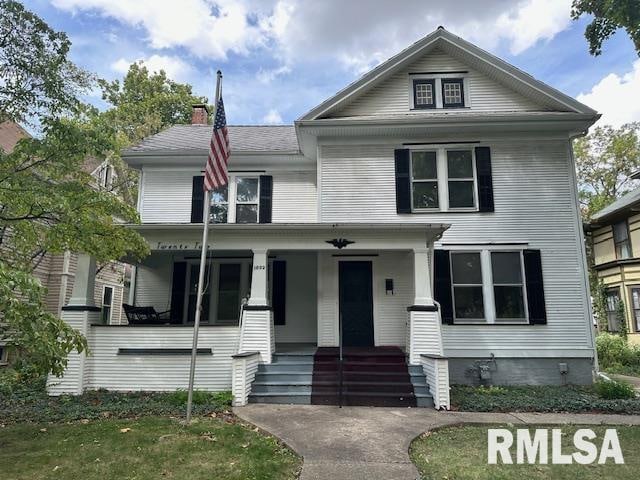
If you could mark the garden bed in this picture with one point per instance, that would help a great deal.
(574, 399)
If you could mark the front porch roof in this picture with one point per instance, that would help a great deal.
(292, 236)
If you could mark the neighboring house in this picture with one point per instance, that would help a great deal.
(615, 233)
(56, 272)
(424, 219)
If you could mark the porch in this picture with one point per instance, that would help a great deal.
(270, 290)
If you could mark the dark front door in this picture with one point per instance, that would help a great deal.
(356, 304)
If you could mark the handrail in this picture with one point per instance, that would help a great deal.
(340, 360)
(243, 302)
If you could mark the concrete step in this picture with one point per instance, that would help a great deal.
(296, 358)
(274, 387)
(280, 397)
(286, 368)
(286, 377)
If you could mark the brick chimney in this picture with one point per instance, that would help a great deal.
(199, 114)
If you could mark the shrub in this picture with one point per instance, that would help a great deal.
(201, 397)
(616, 355)
(613, 390)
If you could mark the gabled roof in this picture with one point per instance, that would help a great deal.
(468, 53)
(196, 138)
(626, 202)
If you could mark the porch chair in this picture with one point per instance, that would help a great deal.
(146, 315)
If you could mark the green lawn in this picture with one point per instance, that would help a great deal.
(153, 448)
(460, 453)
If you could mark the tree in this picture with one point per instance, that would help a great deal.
(37, 78)
(608, 16)
(605, 161)
(47, 202)
(142, 104)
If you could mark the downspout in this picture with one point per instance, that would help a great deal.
(64, 280)
(585, 266)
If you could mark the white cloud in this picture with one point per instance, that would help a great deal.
(356, 33)
(174, 67)
(268, 76)
(616, 97)
(273, 117)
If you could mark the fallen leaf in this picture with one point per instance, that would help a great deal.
(56, 468)
(245, 445)
(43, 430)
(125, 430)
(84, 421)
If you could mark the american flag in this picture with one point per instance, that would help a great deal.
(215, 173)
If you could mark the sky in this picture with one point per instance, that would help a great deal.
(280, 58)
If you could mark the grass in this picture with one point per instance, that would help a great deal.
(153, 447)
(575, 399)
(460, 453)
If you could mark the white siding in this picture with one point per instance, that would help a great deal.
(166, 195)
(244, 373)
(392, 95)
(294, 198)
(107, 369)
(533, 203)
(389, 311)
(256, 334)
(301, 314)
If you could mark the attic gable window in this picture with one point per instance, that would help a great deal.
(452, 92)
(424, 93)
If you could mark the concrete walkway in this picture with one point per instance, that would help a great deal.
(365, 443)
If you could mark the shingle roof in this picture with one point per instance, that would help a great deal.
(623, 202)
(10, 133)
(243, 138)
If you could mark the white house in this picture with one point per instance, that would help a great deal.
(424, 220)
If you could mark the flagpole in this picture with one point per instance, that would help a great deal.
(203, 262)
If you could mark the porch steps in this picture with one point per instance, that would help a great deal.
(378, 377)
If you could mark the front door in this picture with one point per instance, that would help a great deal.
(356, 304)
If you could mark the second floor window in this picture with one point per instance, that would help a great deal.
(247, 199)
(621, 240)
(236, 202)
(443, 179)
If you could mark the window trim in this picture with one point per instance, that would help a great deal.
(459, 81)
(4, 354)
(635, 322)
(442, 170)
(488, 295)
(231, 195)
(110, 306)
(423, 81)
(627, 240)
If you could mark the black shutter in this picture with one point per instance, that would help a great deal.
(535, 287)
(197, 200)
(279, 294)
(177, 291)
(442, 285)
(266, 198)
(485, 179)
(403, 181)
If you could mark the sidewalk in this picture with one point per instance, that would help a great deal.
(369, 443)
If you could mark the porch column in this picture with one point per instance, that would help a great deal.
(79, 313)
(422, 277)
(259, 278)
(257, 331)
